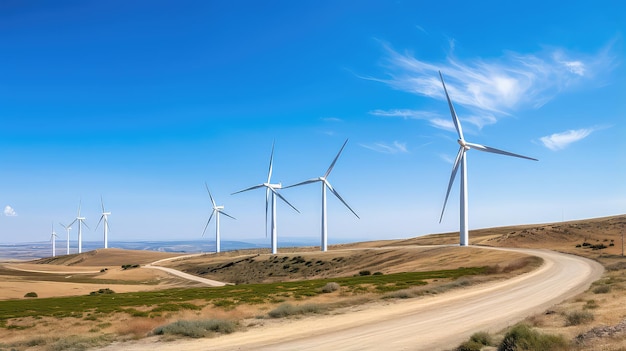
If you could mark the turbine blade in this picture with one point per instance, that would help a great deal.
(283, 198)
(102, 203)
(455, 119)
(85, 224)
(332, 190)
(74, 221)
(227, 215)
(250, 188)
(313, 180)
(79, 204)
(455, 168)
(99, 222)
(269, 173)
(63, 225)
(335, 160)
(207, 222)
(497, 151)
(210, 196)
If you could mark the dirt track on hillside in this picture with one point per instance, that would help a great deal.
(422, 324)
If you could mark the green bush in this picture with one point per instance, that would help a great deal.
(286, 310)
(578, 318)
(31, 294)
(602, 289)
(522, 338)
(197, 329)
(102, 292)
(476, 342)
(330, 287)
(362, 273)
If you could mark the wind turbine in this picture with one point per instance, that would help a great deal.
(216, 211)
(270, 188)
(67, 229)
(105, 225)
(53, 237)
(81, 222)
(326, 185)
(461, 160)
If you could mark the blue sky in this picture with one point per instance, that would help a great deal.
(141, 102)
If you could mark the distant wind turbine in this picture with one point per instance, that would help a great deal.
(216, 211)
(81, 222)
(461, 159)
(326, 185)
(53, 237)
(105, 216)
(67, 229)
(270, 188)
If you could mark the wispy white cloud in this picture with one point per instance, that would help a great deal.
(435, 119)
(332, 119)
(559, 141)
(9, 211)
(497, 86)
(394, 148)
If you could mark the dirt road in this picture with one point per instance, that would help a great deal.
(432, 323)
(209, 282)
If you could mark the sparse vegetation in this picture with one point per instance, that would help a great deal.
(578, 318)
(129, 266)
(102, 292)
(330, 287)
(197, 329)
(286, 310)
(523, 338)
(602, 289)
(476, 342)
(31, 294)
(79, 343)
(364, 273)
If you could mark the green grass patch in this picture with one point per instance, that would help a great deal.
(522, 338)
(239, 294)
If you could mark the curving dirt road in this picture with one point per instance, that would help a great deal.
(432, 323)
(209, 282)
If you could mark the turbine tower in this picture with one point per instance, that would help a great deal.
(81, 222)
(461, 160)
(326, 185)
(67, 229)
(216, 211)
(270, 188)
(105, 216)
(53, 237)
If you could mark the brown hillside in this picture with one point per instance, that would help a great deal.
(107, 257)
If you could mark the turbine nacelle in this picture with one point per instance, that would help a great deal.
(463, 144)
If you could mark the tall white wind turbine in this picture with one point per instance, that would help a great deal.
(217, 210)
(53, 238)
(270, 189)
(461, 160)
(326, 185)
(105, 217)
(81, 222)
(67, 229)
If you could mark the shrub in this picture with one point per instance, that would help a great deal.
(602, 289)
(31, 294)
(286, 310)
(330, 287)
(102, 292)
(578, 318)
(362, 273)
(476, 342)
(522, 338)
(197, 329)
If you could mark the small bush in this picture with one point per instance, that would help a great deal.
(31, 294)
(104, 291)
(378, 273)
(476, 342)
(286, 310)
(330, 287)
(602, 289)
(129, 266)
(362, 273)
(196, 329)
(522, 338)
(578, 318)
